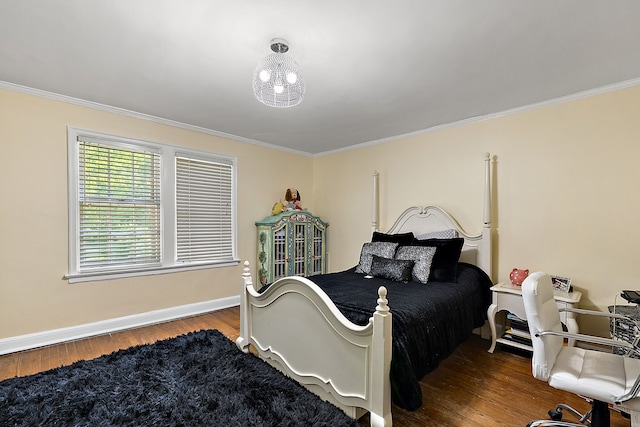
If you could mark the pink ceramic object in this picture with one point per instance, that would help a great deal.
(517, 276)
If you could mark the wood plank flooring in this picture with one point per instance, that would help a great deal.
(470, 388)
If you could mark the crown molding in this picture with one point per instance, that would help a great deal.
(550, 102)
(129, 113)
(134, 114)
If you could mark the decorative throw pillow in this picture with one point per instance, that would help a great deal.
(422, 258)
(381, 249)
(400, 238)
(445, 261)
(444, 234)
(398, 270)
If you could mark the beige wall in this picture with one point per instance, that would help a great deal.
(565, 197)
(33, 217)
(566, 190)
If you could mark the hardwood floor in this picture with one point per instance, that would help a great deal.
(470, 388)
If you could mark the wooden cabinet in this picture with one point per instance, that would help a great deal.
(291, 243)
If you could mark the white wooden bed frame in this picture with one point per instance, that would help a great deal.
(295, 327)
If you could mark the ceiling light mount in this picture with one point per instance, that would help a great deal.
(278, 80)
(279, 45)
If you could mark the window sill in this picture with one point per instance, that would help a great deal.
(108, 275)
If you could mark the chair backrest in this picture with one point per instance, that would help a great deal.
(542, 315)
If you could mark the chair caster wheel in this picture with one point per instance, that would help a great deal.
(555, 415)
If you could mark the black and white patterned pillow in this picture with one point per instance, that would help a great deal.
(422, 257)
(398, 270)
(381, 249)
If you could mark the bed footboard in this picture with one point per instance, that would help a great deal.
(295, 327)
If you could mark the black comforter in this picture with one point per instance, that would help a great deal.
(429, 320)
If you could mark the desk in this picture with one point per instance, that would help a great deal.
(506, 296)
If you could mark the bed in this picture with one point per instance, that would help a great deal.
(360, 341)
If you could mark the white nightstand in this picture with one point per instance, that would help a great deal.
(509, 297)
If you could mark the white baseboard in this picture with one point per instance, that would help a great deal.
(55, 336)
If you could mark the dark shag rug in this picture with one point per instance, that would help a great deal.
(198, 379)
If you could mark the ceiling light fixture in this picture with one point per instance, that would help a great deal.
(278, 80)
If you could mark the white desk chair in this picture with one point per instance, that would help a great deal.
(601, 377)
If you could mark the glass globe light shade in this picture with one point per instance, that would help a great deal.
(285, 85)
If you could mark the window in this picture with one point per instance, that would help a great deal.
(204, 223)
(137, 207)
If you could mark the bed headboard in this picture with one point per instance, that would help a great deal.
(428, 219)
(477, 249)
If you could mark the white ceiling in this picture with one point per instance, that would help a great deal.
(375, 69)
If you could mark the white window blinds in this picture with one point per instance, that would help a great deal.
(119, 206)
(204, 216)
(140, 207)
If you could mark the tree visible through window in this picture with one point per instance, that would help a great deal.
(119, 194)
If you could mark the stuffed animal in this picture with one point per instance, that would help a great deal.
(277, 208)
(293, 200)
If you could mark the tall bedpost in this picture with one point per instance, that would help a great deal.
(485, 262)
(380, 386)
(487, 190)
(375, 222)
(245, 325)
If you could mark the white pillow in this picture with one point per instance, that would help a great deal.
(444, 234)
